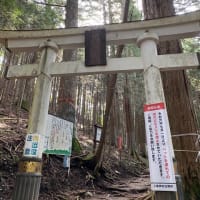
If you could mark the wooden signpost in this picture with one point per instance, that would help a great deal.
(147, 34)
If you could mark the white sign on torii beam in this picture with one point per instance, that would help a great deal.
(146, 33)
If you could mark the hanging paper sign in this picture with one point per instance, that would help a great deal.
(58, 138)
(160, 159)
(33, 146)
(98, 134)
(98, 131)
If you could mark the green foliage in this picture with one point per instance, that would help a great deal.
(100, 12)
(90, 156)
(21, 14)
(191, 45)
(25, 105)
(8, 14)
(134, 13)
(76, 147)
(131, 50)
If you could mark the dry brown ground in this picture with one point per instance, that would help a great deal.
(121, 180)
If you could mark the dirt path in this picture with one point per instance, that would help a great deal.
(125, 189)
(56, 185)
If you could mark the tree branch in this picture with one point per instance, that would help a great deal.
(49, 4)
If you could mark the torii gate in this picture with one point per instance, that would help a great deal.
(146, 33)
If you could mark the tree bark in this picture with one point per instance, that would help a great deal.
(129, 118)
(109, 99)
(180, 109)
(67, 90)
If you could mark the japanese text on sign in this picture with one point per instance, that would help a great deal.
(58, 138)
(160, 159)
(33, 145)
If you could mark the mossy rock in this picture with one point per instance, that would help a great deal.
(76, 147)
(25, 105)
(90, 156)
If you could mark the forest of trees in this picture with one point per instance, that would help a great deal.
(113, 101)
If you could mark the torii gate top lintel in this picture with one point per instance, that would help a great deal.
(187, 25)
(176, 27)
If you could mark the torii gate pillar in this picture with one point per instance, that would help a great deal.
(28, 179)
(154, 89)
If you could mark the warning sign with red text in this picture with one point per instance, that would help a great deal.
(160, 159)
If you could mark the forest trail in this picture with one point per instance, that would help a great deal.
(124, 179)
(123, 189)
(126, 189)
(78, 188)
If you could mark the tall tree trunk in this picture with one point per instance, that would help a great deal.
(180, 110)
(116, 115)
(67, 90)
(129, 117)
(78, 101)
(137, 83)
(109, 99)
(83, 108)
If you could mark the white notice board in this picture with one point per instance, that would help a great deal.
(160, 159)
(58, 136)
(98, 133)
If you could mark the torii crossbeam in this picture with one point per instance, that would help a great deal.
(146, 33)
(176, 27)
